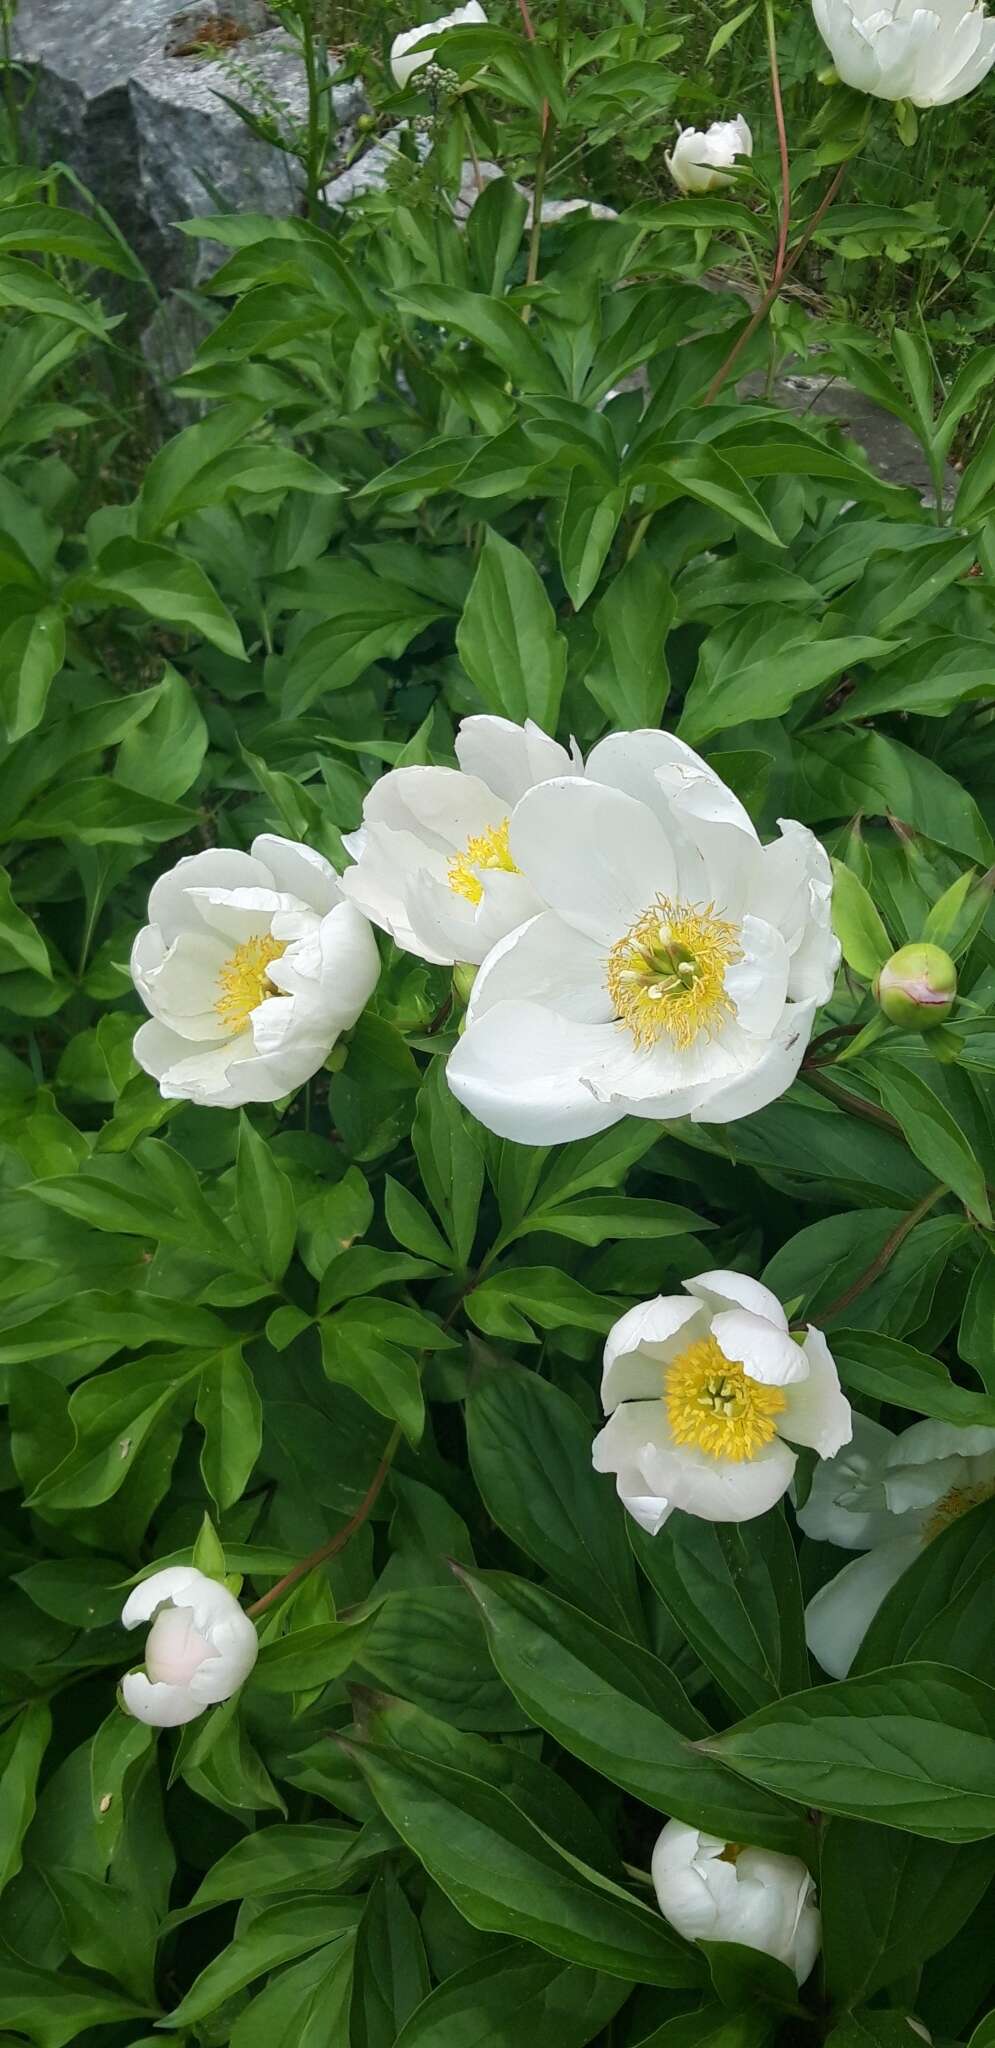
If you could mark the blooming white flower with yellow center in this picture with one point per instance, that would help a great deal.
(406, 58)
(434, 867)
(705, 1392)
(676, 968)
(251, 965)
(703, 159)
(901, 50)
(712, 1890)
(887, 1496)
(200, 1649)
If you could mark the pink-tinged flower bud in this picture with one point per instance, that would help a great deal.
(917, 987)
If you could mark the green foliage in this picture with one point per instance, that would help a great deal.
(343, 1350)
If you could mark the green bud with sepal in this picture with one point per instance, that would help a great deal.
(917, 987)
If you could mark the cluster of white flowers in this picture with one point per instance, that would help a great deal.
(641, 953)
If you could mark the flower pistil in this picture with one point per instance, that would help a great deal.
(668, 972)
(715, 1406)
(244, 980)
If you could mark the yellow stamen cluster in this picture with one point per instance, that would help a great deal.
(957, 1502)
(483, 851)
(244, 980)
(668, 973)
(713, 1405)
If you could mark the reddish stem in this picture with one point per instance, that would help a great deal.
(336, 1543)
(782, 140)
(774, 289)
(527, 21)
(886, 1254)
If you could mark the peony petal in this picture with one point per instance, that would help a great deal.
(642, 1342)
(839, 1616)
(793, 891)
(159, 1706)
(717, 1489)
(757, 984)
(545, 961)
(298, 870)
(818, 1413)
(769, 1078)
(518, 1070)
(511, 758)
(598, 858)
(846, 1502)
(385, 884)
(179, 983)
(767, 1354)
(221, 867)
(440, 807)
(724, 1289)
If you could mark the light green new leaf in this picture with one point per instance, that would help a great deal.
(162, 583)
(32, 651)
(934, 1137)
(507, 1877)
(530, 1449)
(265, 1198)
(507, 638)
(230, 1414)
(857, 924)
(22, 1750)
(909, 1748)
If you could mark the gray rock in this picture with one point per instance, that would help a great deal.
(891, 447)
(121, 95)
(195, 153)
(370, 171)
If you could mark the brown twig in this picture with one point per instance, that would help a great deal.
(335, 1543)
(886, 1254)
(774, 289)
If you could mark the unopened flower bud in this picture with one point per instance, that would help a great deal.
(464, 976)
(917, 987)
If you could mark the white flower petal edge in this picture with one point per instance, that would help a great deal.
(701, 161)
(200, 1649)
(251, 965)
(678, 964)
(901, 50)
(433, 866)
(705, 1392)
(710, 1890)
(404, 65)
(888, 1496)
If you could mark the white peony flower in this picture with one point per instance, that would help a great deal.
(679, 964)
(702, 159)
(701, 1389)
(200, 1649)
(887, 1496)
(404, 66)
(433, 865)
(251, 965)
(901, 50)
(717, 1891)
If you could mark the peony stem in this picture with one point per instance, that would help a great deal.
(853, 1104)
(337, 1542)
(884, 1258)
(782, 141)
(774, 289)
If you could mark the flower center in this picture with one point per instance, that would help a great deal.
(668, 972)
(713, 1404)
(957, 1502)
(244, 980)
(483, 851)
